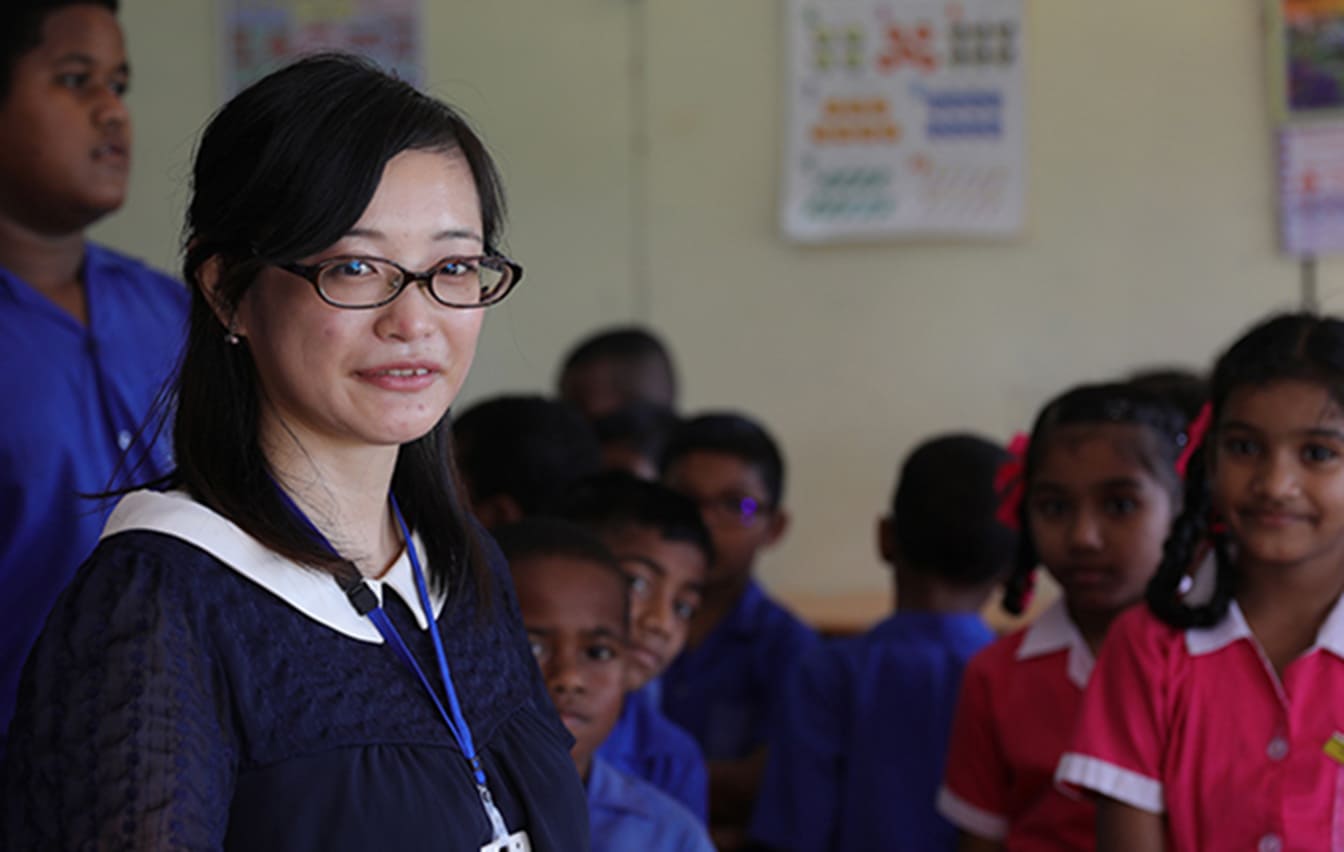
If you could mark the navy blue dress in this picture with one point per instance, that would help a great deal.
(172, 703)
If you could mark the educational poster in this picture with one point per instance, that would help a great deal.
(261, 35)
(1306, 83)
(1306, 56)
(1311, 189)
(905, 119)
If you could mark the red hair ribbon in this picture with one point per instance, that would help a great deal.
(1009, 482)
(1194, 437)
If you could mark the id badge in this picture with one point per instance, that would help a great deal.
(516, 842)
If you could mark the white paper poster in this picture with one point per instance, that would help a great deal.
(1311, 188)
(905, 119)
(261, 35)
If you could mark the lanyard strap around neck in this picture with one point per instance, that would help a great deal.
(365, 602)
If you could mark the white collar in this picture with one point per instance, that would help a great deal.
(1233, 626)
(1053, 631)
(311, 592)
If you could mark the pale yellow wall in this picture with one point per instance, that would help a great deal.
(1150, 233)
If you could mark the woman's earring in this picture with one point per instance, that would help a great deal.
(231, 336)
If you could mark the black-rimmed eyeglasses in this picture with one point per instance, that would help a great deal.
(468, 281)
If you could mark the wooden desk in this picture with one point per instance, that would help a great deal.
(848, 613)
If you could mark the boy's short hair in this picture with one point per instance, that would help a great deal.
(643, 426)
(527, 447)
(21, 30)
(615, 500)
(542, 537)
(630, 343)
(732, 434)
(944, 510)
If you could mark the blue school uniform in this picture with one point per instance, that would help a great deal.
(626, 813)
(75, 399)
(726, 690)
(859, 754)
(648, 745)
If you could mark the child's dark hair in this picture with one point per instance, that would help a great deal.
(526, 447)
(735, 435)
(21, 30)
(1186, 389)
(1297, 346)
(944, 510)
(1162, 438)
(643, 426)
(615, 501)
(624, 344)
(536, 537)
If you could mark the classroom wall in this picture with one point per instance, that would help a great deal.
(639, 141)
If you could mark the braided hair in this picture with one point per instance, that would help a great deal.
(1163, 437)
(1298, 346)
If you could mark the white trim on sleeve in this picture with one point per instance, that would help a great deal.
(968, 817)
(1109, 780)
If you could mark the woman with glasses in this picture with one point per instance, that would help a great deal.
(301, 640)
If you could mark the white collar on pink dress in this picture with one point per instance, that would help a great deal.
(1233, 626)
(1052, 631)
(313, 593)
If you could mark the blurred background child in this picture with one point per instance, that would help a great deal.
(97, 333)
(518, 454)
(574, 604)
(633, 437)
(614, 367)
(1213, 720)
(727, 686)
(858, 758)
(664, 551)
(1095, 497)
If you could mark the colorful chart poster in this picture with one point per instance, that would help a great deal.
(1311, 189)
(261, 35)
(1306, 84)
(905, 118)
(1306, 58)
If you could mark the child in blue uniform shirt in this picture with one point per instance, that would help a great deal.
(664, 551)
(858, 758)
(90, 336)
(573, 599)
(727, 686)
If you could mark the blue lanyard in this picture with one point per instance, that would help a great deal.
(366, 603)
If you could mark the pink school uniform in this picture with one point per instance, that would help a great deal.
(1195, 724)
(1019, 699)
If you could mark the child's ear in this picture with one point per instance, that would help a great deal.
(208, 276)
(886, 539)
(779, 524)
(497, 511)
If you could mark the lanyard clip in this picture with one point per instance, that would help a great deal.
(497, 826)
(362, 598)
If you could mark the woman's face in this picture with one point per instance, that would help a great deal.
(335, 378)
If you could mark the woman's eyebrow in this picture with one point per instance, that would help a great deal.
(448, 234)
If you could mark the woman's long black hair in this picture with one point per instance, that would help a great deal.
(283, 171)
(1286, 346)
(1163, 434)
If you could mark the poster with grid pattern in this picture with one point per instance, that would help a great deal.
(905, 119)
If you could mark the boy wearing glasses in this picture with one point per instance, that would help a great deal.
(573, 600)
(664, 551)
(727, 686)
(90, 336)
